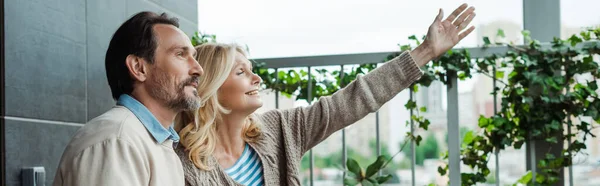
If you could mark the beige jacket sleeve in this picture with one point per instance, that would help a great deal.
(313, 124)
(112, 162)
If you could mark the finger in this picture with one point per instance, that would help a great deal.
(465, 23)
(466, 33)
(439, 17)
(463, 16)
(456, 12)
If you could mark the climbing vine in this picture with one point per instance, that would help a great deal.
(543, 95)
(541, 99)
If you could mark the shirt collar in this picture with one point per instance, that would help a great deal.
(159, 133)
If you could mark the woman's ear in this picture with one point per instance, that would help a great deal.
(137, 67)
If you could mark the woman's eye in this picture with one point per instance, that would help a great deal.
(240, 73)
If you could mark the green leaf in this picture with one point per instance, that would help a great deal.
(414, 38)
(423, 109)
(526, 33)
(366, 182)
(586, 35)
(375, 166)
(542, 163)
(489, 128)
(592, 112)
(499, 74)
(281, 75)
(442, 171)
(486, 41)
(416, 88)
(536, 132)
(575, 40)
(352, 175)
(462, 76)
(588, 59)
(550, 156)
(498, 122)
(483, 121)
(384, 178)
(453, 67)
(593, 85)
(350, 182)
(512, 74)
(410, 105)
(302, 72)
(555, 125)
(500, 33)
(552, 179)
(539, 178)
(550, 81)
(552, 139)
(424, 124)
(520, 91)
(418, 140)
(545, 99)
(373, 181)
(528, 100)
(468, 137)
(354, 167)
(525, 179)
(405, 47)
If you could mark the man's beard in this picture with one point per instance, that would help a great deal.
(178, 99)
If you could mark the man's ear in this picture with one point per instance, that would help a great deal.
(137, 67)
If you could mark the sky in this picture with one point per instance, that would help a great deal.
(279, 28)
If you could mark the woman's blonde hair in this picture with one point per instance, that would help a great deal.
(198, 129)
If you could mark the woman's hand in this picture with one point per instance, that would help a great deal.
(444, 34)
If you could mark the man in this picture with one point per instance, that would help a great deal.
(153, 75)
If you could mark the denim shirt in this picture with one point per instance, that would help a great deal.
(160, 133)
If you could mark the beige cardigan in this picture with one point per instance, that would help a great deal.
(116, 149)
(288, 134)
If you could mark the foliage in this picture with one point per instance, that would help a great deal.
(199, 38)
(355, 174)
(334, 160)
(541, 97)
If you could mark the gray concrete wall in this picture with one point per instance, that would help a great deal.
(54, 78)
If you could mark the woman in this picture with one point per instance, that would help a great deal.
(224, 143)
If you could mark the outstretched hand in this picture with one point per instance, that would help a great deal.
(445, 34)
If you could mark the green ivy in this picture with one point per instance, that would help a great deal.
(540, 96)
(200, 38)
(295, 82)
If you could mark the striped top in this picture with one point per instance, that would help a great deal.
(248, 169)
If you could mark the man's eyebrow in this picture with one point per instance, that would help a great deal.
(185, 48)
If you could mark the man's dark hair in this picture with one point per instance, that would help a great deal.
(136, 37)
